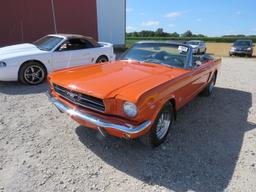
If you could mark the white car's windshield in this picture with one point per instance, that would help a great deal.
(47, 43)
(172, 55)
(242, 43)
(193, 43)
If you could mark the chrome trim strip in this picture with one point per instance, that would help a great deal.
(96, 121)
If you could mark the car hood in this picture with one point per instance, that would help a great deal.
(129, 79)
(19, 50)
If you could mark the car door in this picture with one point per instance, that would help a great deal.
(73, 52)
(196, 79)
(200, 73)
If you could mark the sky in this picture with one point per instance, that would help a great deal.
(208, 17)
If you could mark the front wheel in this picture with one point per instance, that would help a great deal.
(160, 128)
(102, 59)
(32, 73)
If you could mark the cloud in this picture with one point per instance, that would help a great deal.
(129, 10)
(174, 14)
(150, 23)
(142, 14)
(130, 28)
(254, 29)
(171, 25)
(199, 19)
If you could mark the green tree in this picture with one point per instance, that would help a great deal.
(187, 34)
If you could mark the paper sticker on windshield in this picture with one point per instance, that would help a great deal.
(183, 49)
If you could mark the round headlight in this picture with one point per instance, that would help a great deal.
(130, 109)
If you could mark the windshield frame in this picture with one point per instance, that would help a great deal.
(62, 39)
(188, 59)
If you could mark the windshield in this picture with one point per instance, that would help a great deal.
(193, 43)
(242, 43)
(172, 55)
(47, 43)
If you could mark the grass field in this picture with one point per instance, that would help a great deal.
(218, 49)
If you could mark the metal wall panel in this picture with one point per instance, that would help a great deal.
(112, 21)
(76, 16)
(27, 20)
(24, 20)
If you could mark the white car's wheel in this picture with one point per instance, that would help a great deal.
(102, 59)
(32, 73)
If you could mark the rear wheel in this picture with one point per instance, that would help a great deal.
(209, 89)
(102, 59)
(32, 73)
(160, 128)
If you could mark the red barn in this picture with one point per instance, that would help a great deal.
(27, 20)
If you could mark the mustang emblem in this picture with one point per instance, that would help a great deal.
(73, 95)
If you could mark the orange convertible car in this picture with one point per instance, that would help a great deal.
(137, 96)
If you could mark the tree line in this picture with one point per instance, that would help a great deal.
(161, 33)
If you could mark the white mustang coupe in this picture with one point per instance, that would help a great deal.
(30, 63)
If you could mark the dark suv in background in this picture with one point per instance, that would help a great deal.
(242, 47)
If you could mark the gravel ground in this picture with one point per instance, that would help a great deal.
(212, 148)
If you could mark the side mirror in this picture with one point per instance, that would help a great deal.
(198, 63)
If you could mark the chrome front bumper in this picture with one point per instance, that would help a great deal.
(96, 121)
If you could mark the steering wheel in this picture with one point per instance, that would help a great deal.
(160, 55)
(177, 61)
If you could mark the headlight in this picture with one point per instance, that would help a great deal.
(2, 64)
(232, 49)
(249, 49)
(130, 109)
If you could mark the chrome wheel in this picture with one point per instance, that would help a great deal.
(34, 74)
(163, 125)
(102, 60)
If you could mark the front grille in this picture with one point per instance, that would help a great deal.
(80, 99)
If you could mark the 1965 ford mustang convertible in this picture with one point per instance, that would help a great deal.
(137, 96)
